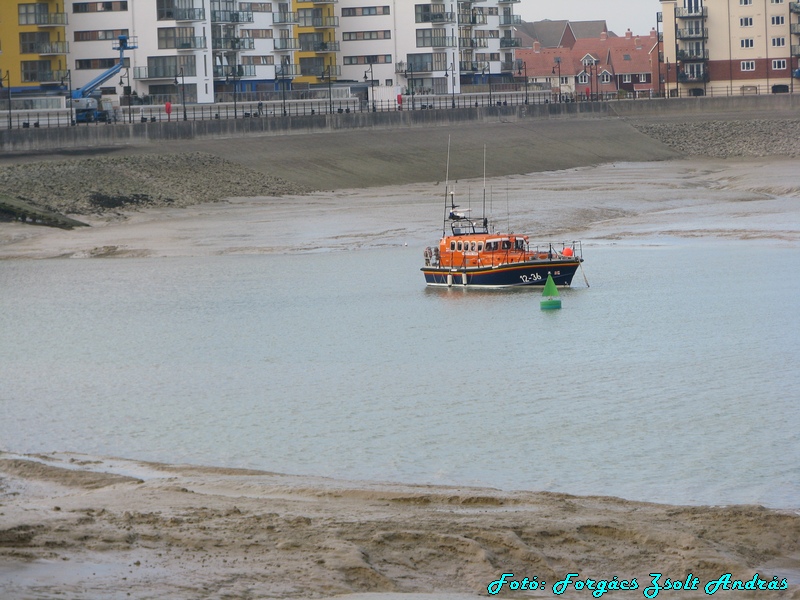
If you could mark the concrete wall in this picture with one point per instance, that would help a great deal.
(125, 134)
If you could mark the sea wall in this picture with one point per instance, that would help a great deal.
(137, 134)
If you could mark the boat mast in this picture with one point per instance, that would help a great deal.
(446, 185)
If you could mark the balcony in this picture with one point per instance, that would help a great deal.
(437, 42)
(692, 55)
(794, 7)
(286, 71)
(324, 22)
(181, 14)
(321, 1)
(190, 43)
(693, 34)
(475, 66)
(230, 43)
(50, 19)
(284, 18)
(319, 47)
(693, 77)
(692, 13)
(226, 71)
(161, 72)
(321, 72)
(509, 20)
(286, 44)
(510, 42)
(231, 16)
(411, 69)
(795, 28)
(437, 17)
(46, 48)
(796, 51)
(473, 43)
(508, 1)
(470, 19)
(52, 77)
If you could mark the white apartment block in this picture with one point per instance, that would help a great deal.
(730, 46)
(206, 49)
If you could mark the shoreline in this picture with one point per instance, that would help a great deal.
(708, 198)
(105, 527)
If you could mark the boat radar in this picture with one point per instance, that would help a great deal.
(550, 298)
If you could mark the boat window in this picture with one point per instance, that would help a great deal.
(472, 246)
(520, 244)
(506, 244)
(452, 245)
(459, 246)
(480, 246)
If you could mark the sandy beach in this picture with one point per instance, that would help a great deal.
(77, 526)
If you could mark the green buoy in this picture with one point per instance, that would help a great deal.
(550, 299)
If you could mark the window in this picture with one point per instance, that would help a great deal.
(747, 43)
(99, 63)
(626, 79)
(778, 20)
(776, 1)
(748, 65)
(746, 22)
(368, 60)
(33, 42)
(89, 7)
(779, 65)
(102, 34)
(352, 36)
(365, 11)
(606, 77)
(257, 60)
(256, 6)
(745, 2)
(29, 13)
(36, 70)
(778, 42)
(583, 78)
(643, 77)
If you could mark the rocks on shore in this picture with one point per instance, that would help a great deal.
(99, 185)
(728, 139)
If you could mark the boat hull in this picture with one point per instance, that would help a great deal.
(530, 273)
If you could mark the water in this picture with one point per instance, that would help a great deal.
(673, 378)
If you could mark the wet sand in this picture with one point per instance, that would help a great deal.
(75, 526)
(702, 198)
(89, 527)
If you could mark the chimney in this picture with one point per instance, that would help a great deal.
(629, 34)
(603, 36)
(537, 47)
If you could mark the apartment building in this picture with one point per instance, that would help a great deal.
(730, 46)
(33, 45)
(215, 50)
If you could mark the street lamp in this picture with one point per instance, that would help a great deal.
(489, 81)
(183, 91)
(330, 90)
(235, 76)
(371, 84)
(558, 66)
(7, 78)
(284, 63)
(127, 91)
(591, 85)
(68, 77)
(666, 87)
(524, 67)
(453, 73)
(411, 84)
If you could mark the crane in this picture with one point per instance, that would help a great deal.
(84, 99)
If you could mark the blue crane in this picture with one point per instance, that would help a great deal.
(84, 100)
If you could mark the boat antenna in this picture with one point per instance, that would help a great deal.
(446, 186)
(484, 185)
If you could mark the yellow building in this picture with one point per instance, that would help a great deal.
(33, 44)
(316, 41)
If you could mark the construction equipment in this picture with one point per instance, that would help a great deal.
(86, 101)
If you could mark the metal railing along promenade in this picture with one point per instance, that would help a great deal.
(249, 106)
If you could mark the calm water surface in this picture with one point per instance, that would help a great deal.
(673, 378)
